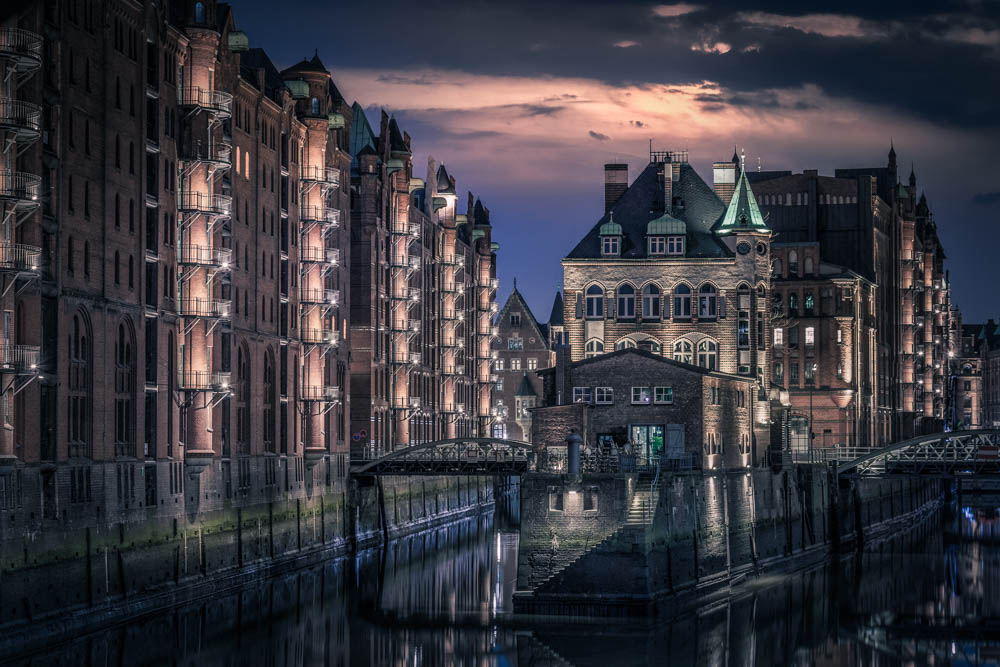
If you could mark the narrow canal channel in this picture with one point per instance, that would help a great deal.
(929, 596)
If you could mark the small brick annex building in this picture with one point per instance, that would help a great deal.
(657, 405)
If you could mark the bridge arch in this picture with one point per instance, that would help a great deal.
(937, 453)
(454, 456)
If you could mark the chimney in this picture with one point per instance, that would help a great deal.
(725, 180)
(670, 173)
(615, 183)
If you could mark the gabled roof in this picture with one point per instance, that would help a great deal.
(396, 142)
(362, 136)
(743, 214)
(255, 59)
(516, 298)
(667, 361)
(481, 215)
(698, 207)
(313, 64)
(556, 316)
(525, 389)
(444, 185)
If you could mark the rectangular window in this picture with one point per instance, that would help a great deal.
(664, 395)
(641, 396)
(760, 330)
(515, 343)
(532, 364)
(500, 384)
(779, 336)
(810, 336)
(555, 499)
(657, 245)
(515, 319)
(779, 372)
(590, 499)
(840, 337)
(583, 395)
(610, 245)
(499, 364)
(604, 395)
(675, 245)
(515, 364)
(793, 372)
(743, 329)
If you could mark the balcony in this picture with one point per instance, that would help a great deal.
(320, 336)
(412, 403)
(411, 294)
(454, 369)
(213, 101)
(19, 258)
(320, 215)
(411, 229)
(21, 119)
(406, 326)
(405, 262)
(19, 359)
(406, 358)
(20, 188)
(451, 260)
(454, 288)
(322, 394)
(207, 308)
(205, 256)
(192, 201)
(320, 255)
(218, 153)
(322, 175)
(326, 297)
(22, 48)
(204, 381)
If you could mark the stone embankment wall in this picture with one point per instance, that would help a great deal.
(74, 571)
(708, 529)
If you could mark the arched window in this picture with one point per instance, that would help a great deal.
(793, 304)
(199, 12)
(708, 354)
(626, 302)
(625, 344)
(243, 386)
(314, 106)
(793, 263)
(594, 348)
(650, 302)
(683, 351)
(808, 265)
(595, 302)
(707, 297)
(650, 345)
(80, 372)
(776, 268)
(682, 302)
(269, 399)
(124, 392)
(239, 167)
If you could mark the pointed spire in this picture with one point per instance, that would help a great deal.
(515, 282)
(913, 177)
(892, 153)
(743, 212)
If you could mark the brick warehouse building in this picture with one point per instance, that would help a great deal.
(672, 269)
(180, 221)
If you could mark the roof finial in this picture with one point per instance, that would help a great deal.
(515, 282)
(316, 52)
(743, 159)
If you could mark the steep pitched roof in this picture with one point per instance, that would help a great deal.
(667, 361)
(525, 389)
(444, 185)
(362, 136)
(556, 316)
(313, 64)
(698, 207)
(743, 212)
(396, 142)
(516, 298)
(255, 59)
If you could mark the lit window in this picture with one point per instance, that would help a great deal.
(641, 396)
(515, 364)
(663, 395)
(810, 336)
(583, 395)
(499, 364)
(532, 364)
(840, 336)
(604, 395)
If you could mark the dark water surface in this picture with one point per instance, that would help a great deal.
(927, 597)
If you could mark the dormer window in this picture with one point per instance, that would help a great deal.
(609, 245)
(675, 245)
(657, 245)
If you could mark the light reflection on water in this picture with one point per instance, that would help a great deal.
(930, 596)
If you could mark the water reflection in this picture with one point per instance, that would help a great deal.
(929, 596)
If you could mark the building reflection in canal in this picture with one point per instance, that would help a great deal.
(930, 596)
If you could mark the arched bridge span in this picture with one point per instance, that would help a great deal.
(456, 456)
(943, 454)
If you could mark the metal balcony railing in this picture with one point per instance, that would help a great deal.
(330, 297)
(409, 326)
(454, 369)
(217, 152)
(20, 187)
(23, 119)
(315, 255)
(406, 358)
(324, 175)
(411, 294)
(320, 336)
(406, 229)
(451, 260)
(199, 202)
(205, 255)
(22, 47)
(323, 393)
(215, 101)
(320, 214)
(204, 380)
(209, 308)
(19, 257)
(19, 359)
(399, 403)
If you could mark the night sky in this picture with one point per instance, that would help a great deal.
(525, 101)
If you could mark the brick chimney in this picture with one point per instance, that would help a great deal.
(670, 174)
(724, 180)
(615, 183)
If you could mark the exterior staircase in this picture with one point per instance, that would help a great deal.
(644, 500)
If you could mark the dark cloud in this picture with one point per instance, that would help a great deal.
(537, 109)
(598, 136)
(986, 198)
(407, 80)
(637, 123)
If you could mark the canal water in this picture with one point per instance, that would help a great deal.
(930, 596)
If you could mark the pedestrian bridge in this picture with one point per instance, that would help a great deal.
(456, 456)
(942, 454)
